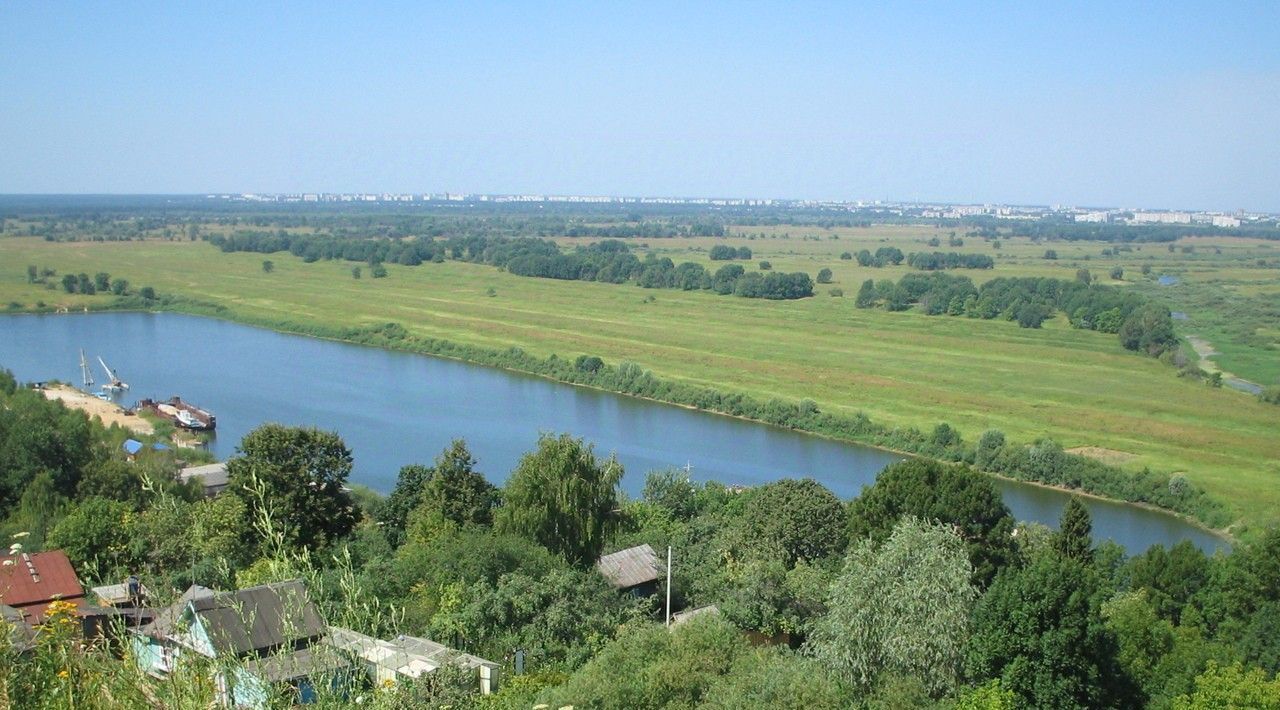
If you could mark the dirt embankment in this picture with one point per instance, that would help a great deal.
(109, 412)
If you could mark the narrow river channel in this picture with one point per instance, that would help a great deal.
(397, 408)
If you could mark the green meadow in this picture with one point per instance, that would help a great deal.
(906, 369)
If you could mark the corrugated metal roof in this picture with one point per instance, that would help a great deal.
(259, 618)
(630, 567)
(113, 594)
(280, 667)
(409, 656)
(166, 621)
(212, 475)
(439, 653)
(29, 581)
(682, 616)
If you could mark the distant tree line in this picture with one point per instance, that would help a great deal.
(1103, 232)
(311, 248)
(609, 261)
(1141, 324)
(936, 261)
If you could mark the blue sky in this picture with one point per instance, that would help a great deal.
(1124, 104)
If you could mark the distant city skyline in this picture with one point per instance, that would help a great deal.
(1092, 104)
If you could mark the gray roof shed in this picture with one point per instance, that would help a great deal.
(631, 567)
(213, 477)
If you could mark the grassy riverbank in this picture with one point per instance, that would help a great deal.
(900, 369)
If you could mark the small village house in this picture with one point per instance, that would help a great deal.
(268, 636)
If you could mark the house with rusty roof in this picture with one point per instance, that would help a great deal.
(31, 581)
(635, 570)
(259, 639)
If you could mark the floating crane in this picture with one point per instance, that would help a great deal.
(85, 375)
(114, 384)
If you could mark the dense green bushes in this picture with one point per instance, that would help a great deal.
(724, 252)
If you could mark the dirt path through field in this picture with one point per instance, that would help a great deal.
(1205, 350)
(109, 412)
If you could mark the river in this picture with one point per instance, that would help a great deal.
(396, 408)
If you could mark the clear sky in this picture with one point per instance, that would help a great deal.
(1113, 104)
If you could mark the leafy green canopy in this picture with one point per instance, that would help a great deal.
(295, 476)
(797, 519)
(562, 497)
(1039, 630)
(953, 495)
(900, 609)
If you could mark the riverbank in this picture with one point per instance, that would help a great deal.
(810, 421)
(109, 412)
(393, 408)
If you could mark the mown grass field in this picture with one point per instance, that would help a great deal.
(1078, 387)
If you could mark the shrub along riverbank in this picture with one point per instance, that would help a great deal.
(1043, 461)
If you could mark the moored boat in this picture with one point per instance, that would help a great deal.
(183, 414)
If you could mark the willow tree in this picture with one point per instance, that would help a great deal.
(564, 498)
(900, 609)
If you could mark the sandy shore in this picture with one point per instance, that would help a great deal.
(109, 412)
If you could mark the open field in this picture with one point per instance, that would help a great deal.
(1078, 387)
(1228, 298)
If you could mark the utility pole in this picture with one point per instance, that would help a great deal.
(668, 585)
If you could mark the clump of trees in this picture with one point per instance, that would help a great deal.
(935, 261)
(884, 256)
(1141, 324)
(724, 252)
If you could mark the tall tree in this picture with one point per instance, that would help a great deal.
(393, 514)
(953, 495)
(562, 497)
(1074, 539)
(457, 491)
(295, 477)
(799, 519)
(900, 609)
(1039, 630)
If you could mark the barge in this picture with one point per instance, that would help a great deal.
(182, 414)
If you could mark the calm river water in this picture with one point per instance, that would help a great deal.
(396, 408)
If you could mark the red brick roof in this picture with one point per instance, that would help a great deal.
(30, 581)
